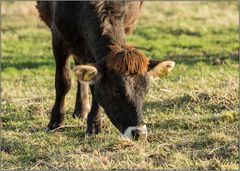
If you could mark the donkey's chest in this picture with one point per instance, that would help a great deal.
(81, 53)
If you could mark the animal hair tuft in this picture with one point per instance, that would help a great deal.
(127, 60)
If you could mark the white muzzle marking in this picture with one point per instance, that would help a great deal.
(141, 128)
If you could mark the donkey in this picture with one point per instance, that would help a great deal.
(118, 74)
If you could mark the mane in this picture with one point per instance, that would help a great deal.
(127, 60)
(107, 11)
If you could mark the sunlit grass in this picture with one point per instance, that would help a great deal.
(191, 115)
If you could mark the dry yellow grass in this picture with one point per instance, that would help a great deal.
(191, 115)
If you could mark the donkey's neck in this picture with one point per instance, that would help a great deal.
(107, 29)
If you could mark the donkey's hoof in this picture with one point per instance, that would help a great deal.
(53, 126)
(88, 135)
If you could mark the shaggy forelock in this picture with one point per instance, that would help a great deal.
(127, 60)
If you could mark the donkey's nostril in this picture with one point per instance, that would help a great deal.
(135, 134)
(138, 134)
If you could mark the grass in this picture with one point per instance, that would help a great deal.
(191, 115)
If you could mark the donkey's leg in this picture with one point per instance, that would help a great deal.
(94, 117)
(82, 101)
(62, 82)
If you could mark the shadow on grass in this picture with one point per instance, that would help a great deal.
(26, 64)
(211, 59)
(75, 132)
(181, 31)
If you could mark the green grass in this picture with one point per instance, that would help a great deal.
(191, 115)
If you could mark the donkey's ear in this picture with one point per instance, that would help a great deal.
(157, 69)
(87, 73)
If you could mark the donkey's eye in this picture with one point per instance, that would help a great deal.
(116, 93)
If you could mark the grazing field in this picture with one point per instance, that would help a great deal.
(191, 115)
